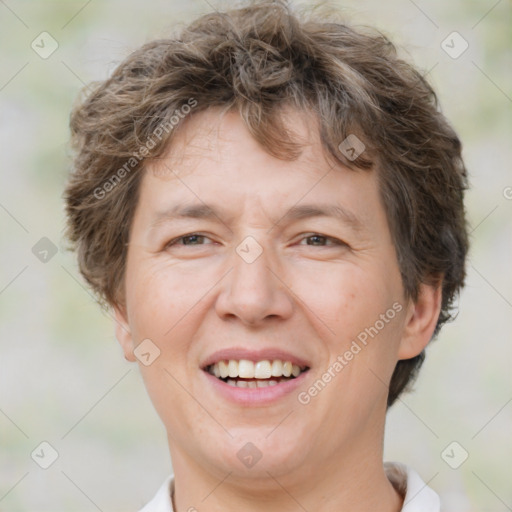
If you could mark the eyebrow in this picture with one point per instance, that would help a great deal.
(296, 212)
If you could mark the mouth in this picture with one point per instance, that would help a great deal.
(244, 373)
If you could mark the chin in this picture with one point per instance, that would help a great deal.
(253, 453)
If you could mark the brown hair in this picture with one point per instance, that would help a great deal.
(256, 60)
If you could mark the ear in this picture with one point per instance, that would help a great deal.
(123, 332)
(421, 320)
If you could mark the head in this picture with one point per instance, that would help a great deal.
(257, 112)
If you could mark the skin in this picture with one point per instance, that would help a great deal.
(308, 296)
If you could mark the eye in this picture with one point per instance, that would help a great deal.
(190, 239)
(319, 240)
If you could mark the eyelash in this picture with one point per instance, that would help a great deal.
(332, 239)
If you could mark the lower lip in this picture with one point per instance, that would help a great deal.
(255, 396)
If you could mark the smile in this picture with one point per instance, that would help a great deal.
(244, 373)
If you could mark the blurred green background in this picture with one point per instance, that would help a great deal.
(63, 378)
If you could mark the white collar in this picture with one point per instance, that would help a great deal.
(418, 496)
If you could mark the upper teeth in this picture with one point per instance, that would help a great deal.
(246, 369)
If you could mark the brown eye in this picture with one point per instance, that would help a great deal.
(190, 239)
(321, 240)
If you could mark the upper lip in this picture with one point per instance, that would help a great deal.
(269, 354)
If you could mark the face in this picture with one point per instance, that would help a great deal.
(269, 322)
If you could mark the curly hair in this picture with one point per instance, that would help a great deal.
(255, 60)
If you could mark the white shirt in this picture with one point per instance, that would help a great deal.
(418, 497)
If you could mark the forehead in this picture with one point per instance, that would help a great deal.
(206, 143)
(220, 136)
(215, 168)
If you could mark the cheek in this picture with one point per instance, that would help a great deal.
(159, 300)
(158, 297)
(346, 299)
(359, 307)
(328, 293)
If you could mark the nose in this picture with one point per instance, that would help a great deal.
(256, 291)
